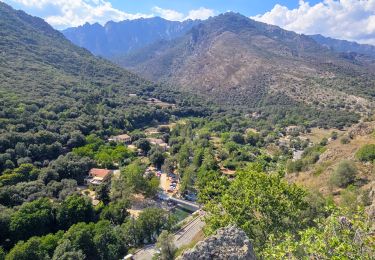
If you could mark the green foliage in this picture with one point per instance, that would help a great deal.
(116, 212)
(310, 156)
(344, 174)
(74, 209)
(166, 244)
(26, 172)
(156, 157)
(105, 155)
(152, 221)
(72, 166)
(38, 248)
(366, 153)
(37, 214)
(143, 144)
(340, 236)
(261, 204)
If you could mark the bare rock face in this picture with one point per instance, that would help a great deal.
(229, 243)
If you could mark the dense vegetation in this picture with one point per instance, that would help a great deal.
(59, 105)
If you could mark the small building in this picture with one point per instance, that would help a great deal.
(159, 142)
(98, 176)
(124, 138)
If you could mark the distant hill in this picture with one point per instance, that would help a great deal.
(235, 60)
(64, 84)
(119, 38)
(344, 46)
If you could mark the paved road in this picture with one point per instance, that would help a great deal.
(182, 237)
(186, 234)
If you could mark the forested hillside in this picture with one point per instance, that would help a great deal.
(237, 61)
(53, 97)
(93, 158)
(53, 88)
(345, 46)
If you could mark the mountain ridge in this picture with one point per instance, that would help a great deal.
(234, 59)
(118, 38)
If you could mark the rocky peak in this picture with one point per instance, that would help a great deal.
(228, 243)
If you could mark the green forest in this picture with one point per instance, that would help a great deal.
(59, 108)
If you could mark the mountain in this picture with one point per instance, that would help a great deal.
(235, 60)
(50, 83)
(119, 38)
(344, 46)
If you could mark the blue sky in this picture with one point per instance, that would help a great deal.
(246, 7)
(343, 19)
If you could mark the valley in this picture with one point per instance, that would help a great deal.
(138, 139)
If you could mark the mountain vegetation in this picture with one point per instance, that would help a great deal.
(234, 60)
(344, 46)
(63, 108)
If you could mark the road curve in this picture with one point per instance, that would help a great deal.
(181, 238)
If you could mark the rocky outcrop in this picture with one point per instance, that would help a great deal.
(230, 243)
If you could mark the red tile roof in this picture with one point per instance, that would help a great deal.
(94, 172)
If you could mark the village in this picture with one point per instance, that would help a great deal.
(168, 197)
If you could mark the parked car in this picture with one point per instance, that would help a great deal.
(128, 257)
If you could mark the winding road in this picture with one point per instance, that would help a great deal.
(181, 238)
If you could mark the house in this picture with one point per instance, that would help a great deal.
(98, 176)
(159, 142)
(124, 138)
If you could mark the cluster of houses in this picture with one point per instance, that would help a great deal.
(98, 176)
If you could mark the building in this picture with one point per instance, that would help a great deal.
(159, 142)
(98, 176)
(124, 138)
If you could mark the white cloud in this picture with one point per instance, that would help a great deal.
(78, 12)
(168, 14)
(201, 13)
(68, 13)
(346, 19)
(172, 15)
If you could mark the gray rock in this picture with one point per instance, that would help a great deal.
(229, 243)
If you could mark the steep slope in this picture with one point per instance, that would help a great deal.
(47, 83)
(119, 38)
(344, 46)
(236, 60)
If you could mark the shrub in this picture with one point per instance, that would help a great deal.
(345, 140)
(344, 174)
(366, 153)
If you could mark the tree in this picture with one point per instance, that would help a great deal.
(143, 144)
(32, 219)
(166, 245)
(108, 241)
(366, 153)
(237, 138)
(71, 166)
(116, 212)
(152, 221)
(340, 236)
(261, 204)
(39, 248)
(157, 158)
(65, 251)
(27, 250)
(5, 218)
(344, 174)
(2, 254)
(74, 209)
(81, 237)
